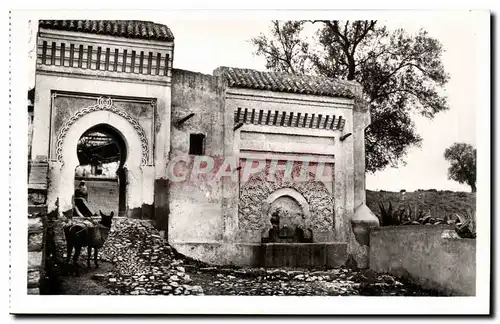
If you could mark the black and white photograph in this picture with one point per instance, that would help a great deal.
(318, 161)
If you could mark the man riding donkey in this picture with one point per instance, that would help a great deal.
(83, 231)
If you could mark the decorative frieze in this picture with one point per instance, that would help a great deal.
(103, 58)
(288, 119)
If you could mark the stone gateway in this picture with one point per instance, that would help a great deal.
(120, 76)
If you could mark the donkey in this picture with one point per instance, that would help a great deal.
(78, 236)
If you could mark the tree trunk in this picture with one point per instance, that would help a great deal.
(473, 187)
(352, 67)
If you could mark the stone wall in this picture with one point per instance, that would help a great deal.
(429, 255)
(37, 227)
(284, 142)
(195, 203)
(36, 256)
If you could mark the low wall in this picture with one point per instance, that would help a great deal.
(266, 255)
(239, 254)
(304, 254)
(428, 255)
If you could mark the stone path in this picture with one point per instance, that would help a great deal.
(135, 260)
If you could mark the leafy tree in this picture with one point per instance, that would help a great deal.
(286, 51)
(462, 157)
(401, 74)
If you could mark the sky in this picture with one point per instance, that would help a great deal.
(203, 48)
(202, 45)
(208, 44)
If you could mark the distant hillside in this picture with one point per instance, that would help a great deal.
(438, 203)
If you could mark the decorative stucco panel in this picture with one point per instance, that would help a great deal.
(253, 204)
(68, 109)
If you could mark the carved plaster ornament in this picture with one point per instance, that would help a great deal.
(320, 202)
(102, 104)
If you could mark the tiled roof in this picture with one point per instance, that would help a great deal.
(286, 82)
(120, 28)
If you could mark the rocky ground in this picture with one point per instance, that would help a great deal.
(135, 260)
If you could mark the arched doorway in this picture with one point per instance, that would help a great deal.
(137, 176)
(102, 153)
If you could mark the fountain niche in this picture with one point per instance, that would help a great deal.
(288, 224)
(289, 241)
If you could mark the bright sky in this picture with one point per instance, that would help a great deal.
(206, 44)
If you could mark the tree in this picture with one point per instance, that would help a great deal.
(462, 157)
(401, 74)
(286, 52)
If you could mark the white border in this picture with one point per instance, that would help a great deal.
(21, 303)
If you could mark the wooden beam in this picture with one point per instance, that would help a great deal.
(183, 120)
(343, 137)
(238, 126)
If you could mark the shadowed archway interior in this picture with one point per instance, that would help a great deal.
(102, 153)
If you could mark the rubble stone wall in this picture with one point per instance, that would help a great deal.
(37, 215)
(37, 227)
(427, 255)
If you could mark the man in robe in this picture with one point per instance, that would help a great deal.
(81, 201)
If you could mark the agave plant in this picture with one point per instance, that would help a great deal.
(405, 216)
(388, 217)
(465, 225)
